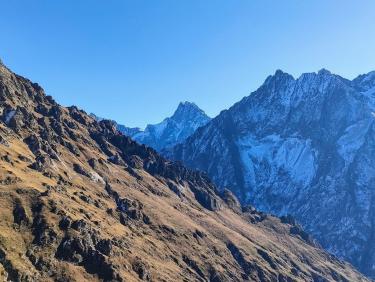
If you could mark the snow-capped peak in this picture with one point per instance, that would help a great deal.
(187, 118)
(324, 71)
(187, 111)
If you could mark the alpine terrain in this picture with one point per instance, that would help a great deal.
(82, 202)
(171, 131)
(304, 147)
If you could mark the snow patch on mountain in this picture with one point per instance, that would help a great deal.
(9, 116)
(352, 140)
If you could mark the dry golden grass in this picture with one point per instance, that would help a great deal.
(161, 251)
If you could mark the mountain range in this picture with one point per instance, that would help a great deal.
(81, 201)
(303, 147)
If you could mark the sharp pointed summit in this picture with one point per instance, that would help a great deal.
(186, 119)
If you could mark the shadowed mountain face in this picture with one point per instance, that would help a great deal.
(303, 147)
(81, 202)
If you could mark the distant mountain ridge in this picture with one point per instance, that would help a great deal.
(173, 130)
(128, 131)
(304, 147)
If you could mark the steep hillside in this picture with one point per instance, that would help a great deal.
(81, 202)
(304, 147)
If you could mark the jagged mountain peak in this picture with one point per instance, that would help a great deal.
(186, 111)
(280, 73)
(324, 71)
(187, 104)
(365, 82)
(279, 77)
(282, 81)
(187, 118)
(321, 74)
(303, 147)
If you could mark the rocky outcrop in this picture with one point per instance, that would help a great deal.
(19, 214)
(231, 200)
(87, 251)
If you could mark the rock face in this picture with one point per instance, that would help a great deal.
(79, 201)
(303, 147)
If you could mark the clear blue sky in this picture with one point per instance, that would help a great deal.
(134, 61)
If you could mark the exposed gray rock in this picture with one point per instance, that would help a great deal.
(231, 200)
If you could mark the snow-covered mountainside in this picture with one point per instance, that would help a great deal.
(304, 147)
(172, 130)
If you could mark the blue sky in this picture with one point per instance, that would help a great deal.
(134, 61)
